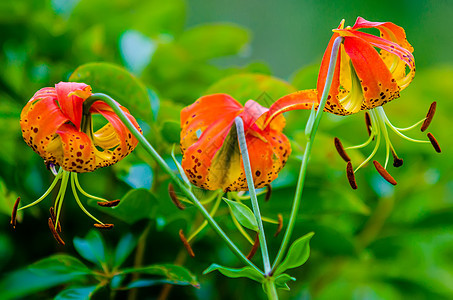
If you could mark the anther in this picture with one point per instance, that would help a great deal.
(341, 150)
(397, 162)
(268, 192)
(255, 246)
(174, 198)
(350, 175)
(429, 116)
(14, 213)
(280, 225)
(52, 215)
(103, 226)
(434, 142)
(368, 123)
(109, 203)
(186, 243)
(54, 232)
(383, 172)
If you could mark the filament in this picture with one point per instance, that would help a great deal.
(73, 176)
(49, 190)
(76, 181)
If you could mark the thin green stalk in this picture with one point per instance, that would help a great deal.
(271, 290)
(162, 164)
(303, 168)
(256, 209)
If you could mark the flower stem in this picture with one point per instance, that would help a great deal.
(309, 145)
(254, 200)
(163, 165)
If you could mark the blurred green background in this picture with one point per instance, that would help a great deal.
(379, 242)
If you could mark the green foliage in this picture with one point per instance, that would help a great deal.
(82, 280)
(247, 272)
(243, 214)
(297, 255)
(117, 83)
(376, 242)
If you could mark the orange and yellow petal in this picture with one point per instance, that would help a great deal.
(39, 121)
(71, 96)
(77, 150)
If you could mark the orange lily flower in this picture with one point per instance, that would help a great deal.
(52, 126)
(365, 79)
(211, 156)
(57, 126)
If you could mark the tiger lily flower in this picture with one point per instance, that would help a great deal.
(364, 80)
(211, 157)
(57, 124)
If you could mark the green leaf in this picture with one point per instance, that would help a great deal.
(247, 272)
(297, 255)
(136, 205)
(91, 247)
(117, 83)
(214, 40)
(281, 281)
(243, 87)
(180, 169)
(59, 265)
(243, 214)
(173, 274)
(76, 293)
(124, 248)
(170, 131)
(44, 274)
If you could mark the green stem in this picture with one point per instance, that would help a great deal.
(252, 192)
(162, 164)
(271, 290)
(303, 168)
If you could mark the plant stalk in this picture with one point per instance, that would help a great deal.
(162, 164)
(303, 168)
(256, 209)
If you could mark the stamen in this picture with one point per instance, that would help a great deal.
(52, 215)
(268, 192)
(429, 116)
(103, 226)
(80, 203)
(46, 193)
(368, 123)
(280, 225)
(14, 213)
(434, 142)
(54, 232)
(186, 243)
(397, 162)
(112, 203)
(255, 246)
(341, 150)
(383, 172)
(76, 181)
(351, 177)
(174, 198)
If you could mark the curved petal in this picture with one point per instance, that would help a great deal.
(299, 100)
(40, 119)
(217, 110)
(378, 84)
(70, 98)
(126, 142)
(77, 150)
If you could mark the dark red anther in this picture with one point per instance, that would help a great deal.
(429, 116)
(54, 232)
(186, 243)
(14, 212)
(280, 225)
(174, 197)
(255, 246)
(434, 142)
(383, 172)
(350, 175)
(341, 150)
(112, 203)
